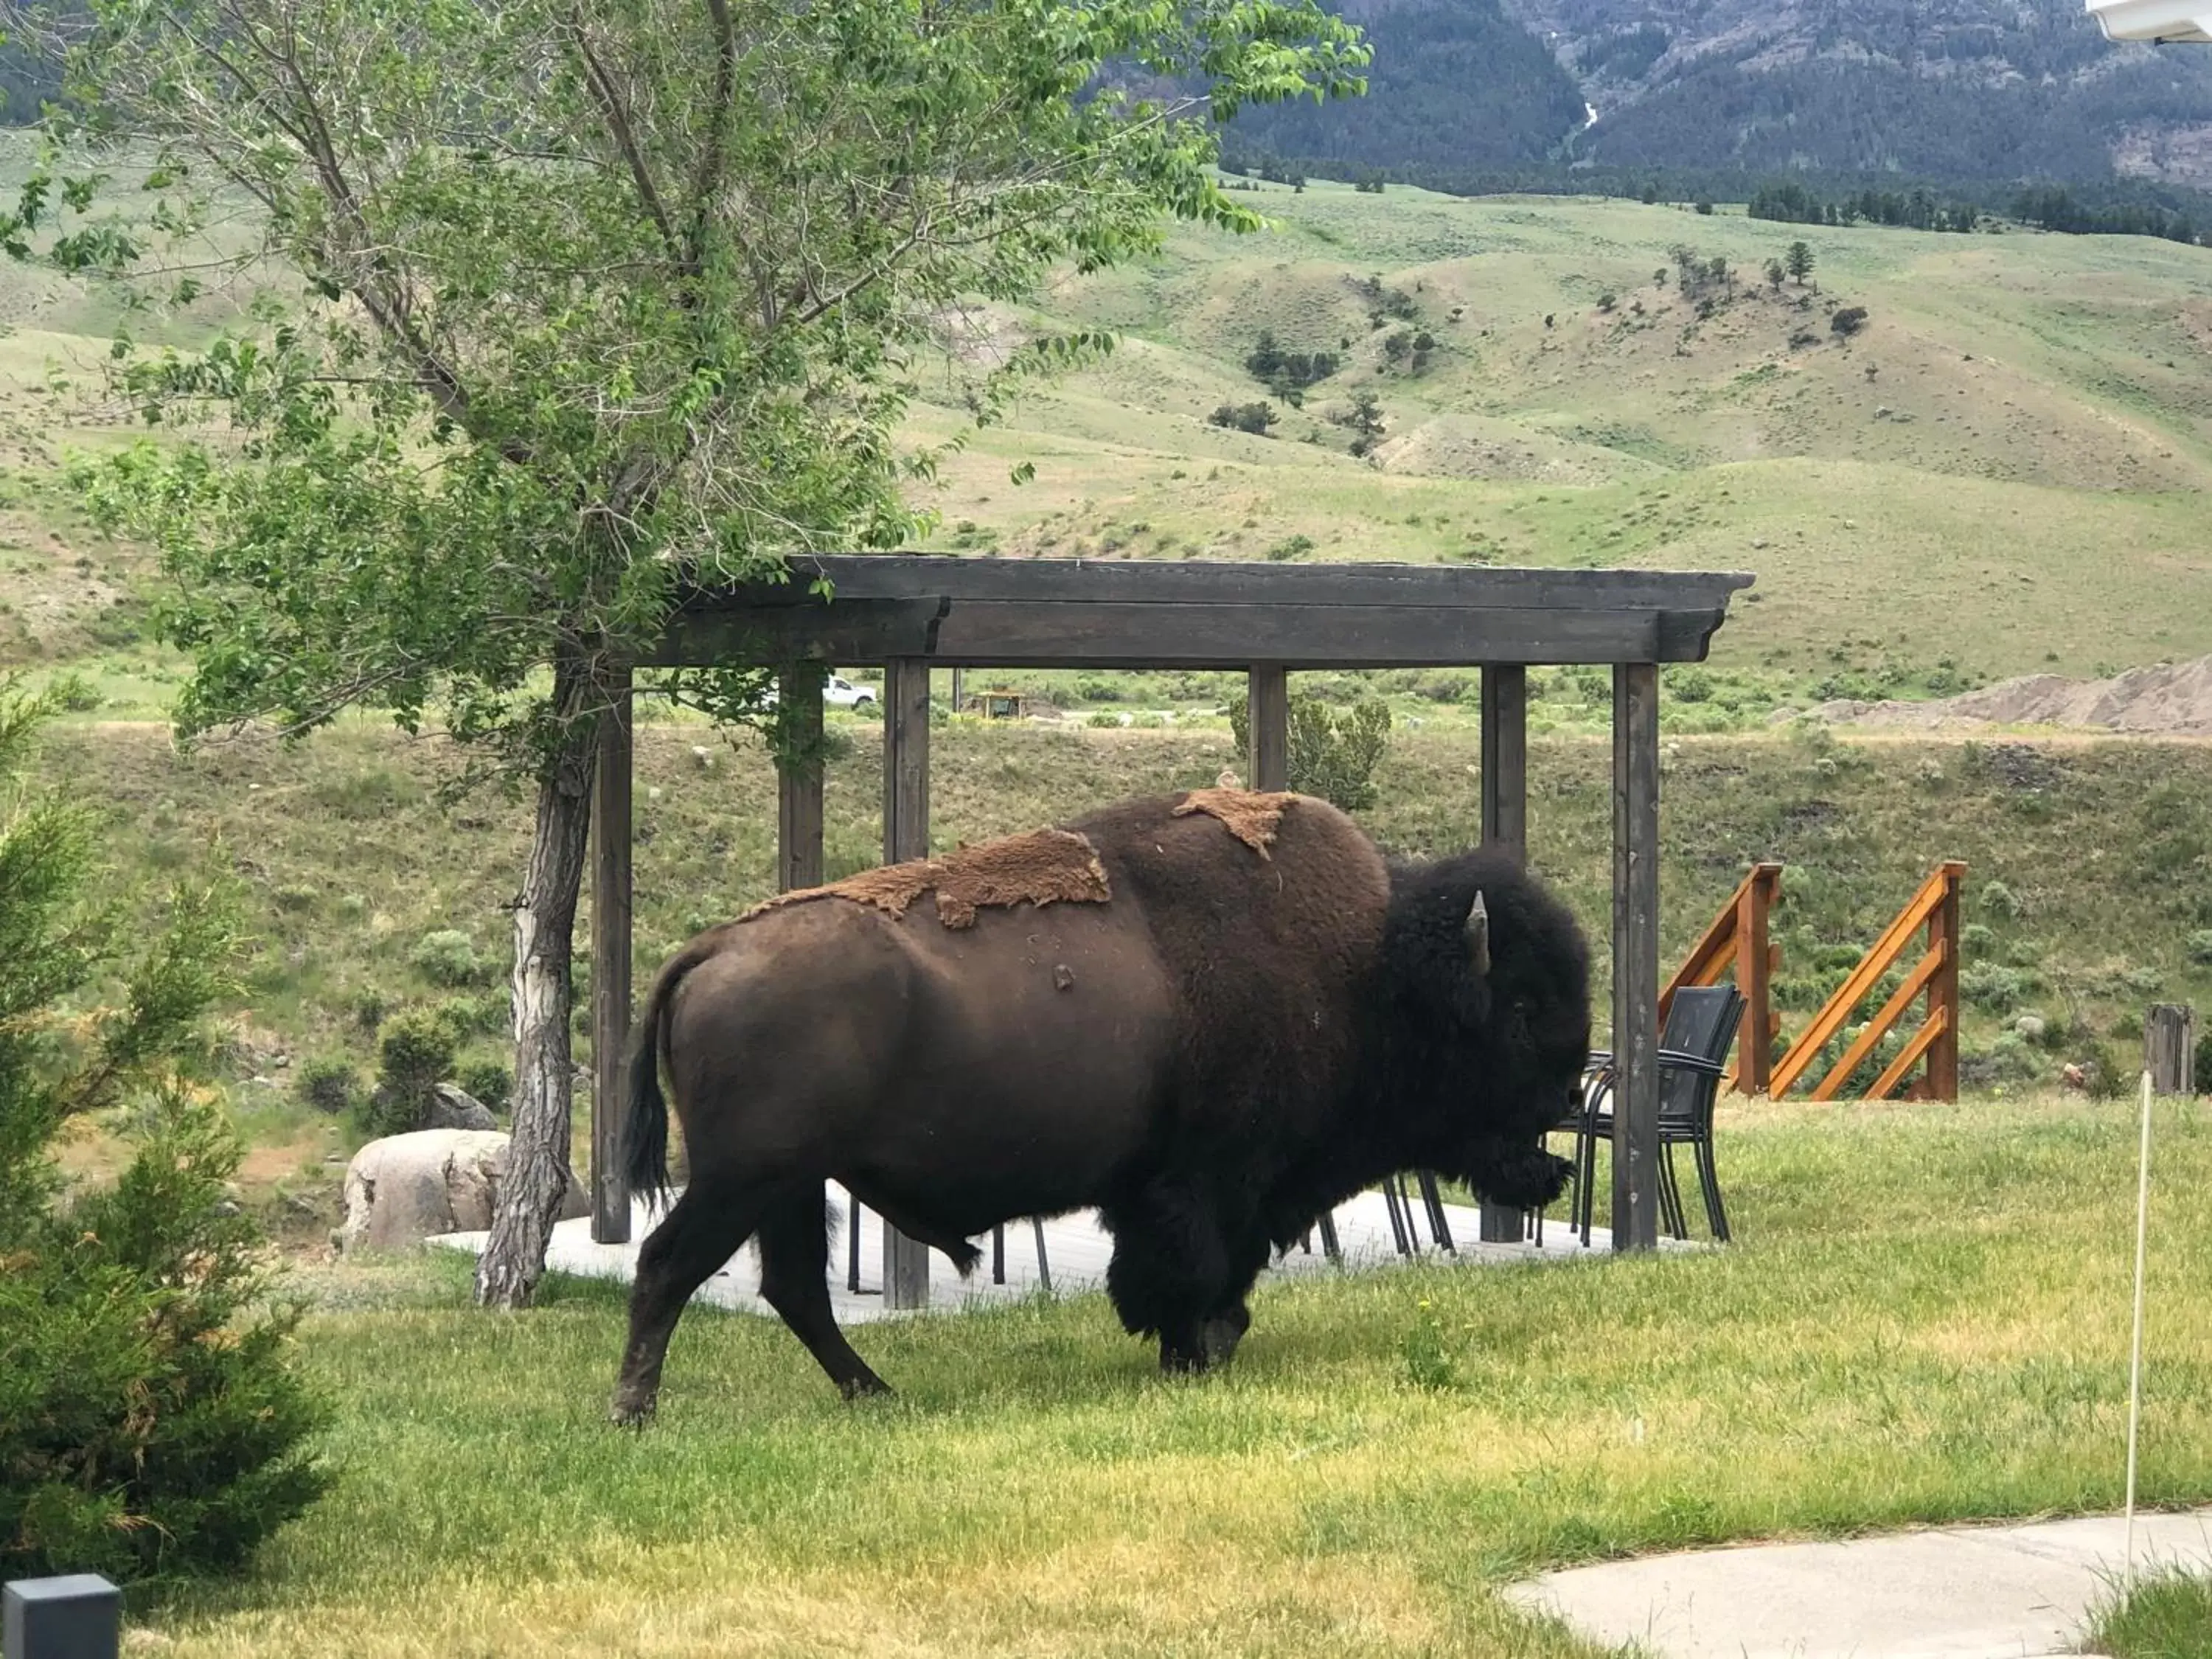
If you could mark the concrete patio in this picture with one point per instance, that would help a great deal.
(1076, 1250)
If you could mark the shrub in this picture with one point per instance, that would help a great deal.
(1977, 939)
(1997, 899)
(1848, 321)
(1100, 718)
(415, 1053)
(1334, 754)
(329, 1085)
(490, 1081)
(1994, 986)
(2200, 947)
(1292, 547)
(2105, 1075)
(151, 1424)
(447, 958)
(1255, 418)
(2010, 1059)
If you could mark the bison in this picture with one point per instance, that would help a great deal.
(1211, 1016)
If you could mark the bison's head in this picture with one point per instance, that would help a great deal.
(1489, 1018)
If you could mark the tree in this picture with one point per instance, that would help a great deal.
(1775, 273)
(1848, 321)
(150, 1419)
(1364, 417)
(1255, 418)
(555, 308)
(1800, 261)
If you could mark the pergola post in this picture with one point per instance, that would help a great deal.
(1268, 725)
(1636, 956)
(906, 835)
(611, 957)
(1504, 825)
(798, 779)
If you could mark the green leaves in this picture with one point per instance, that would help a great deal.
(555, 309)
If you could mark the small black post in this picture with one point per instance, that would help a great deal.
(76, 1617)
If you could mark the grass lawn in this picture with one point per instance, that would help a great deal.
(1926, 1322)
(2166, 1616)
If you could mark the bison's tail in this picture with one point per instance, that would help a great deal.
(645, 1131)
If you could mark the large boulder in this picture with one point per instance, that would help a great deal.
(454, 1108)
(405, 1189)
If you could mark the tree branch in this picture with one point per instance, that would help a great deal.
(610, 101)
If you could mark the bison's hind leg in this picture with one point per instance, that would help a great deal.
(795, 1258)
(708, 1226)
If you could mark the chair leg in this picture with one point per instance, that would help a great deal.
(1434, 1199)
(1586, 1184)
(1393, 1200)
(1044, 1267)
(1329, 1247)
(1716, 1212)
(998, 1255)
(1670, 1193)
(852, 1244)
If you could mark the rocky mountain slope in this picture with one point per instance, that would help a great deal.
(1956, 89)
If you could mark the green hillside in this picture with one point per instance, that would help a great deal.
(2003, 470)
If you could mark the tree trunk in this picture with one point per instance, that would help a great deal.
(538, 1175)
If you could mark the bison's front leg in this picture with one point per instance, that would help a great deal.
(1520, 1177)
(1176, 1274)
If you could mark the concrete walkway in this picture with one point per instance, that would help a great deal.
(1076, 1251)
(1959, 1592)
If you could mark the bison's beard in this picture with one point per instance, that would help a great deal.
(1520, 1177)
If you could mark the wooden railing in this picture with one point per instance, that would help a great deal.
(1936, 975)
(1737, 941)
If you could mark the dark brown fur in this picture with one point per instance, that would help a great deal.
(1196, 1057)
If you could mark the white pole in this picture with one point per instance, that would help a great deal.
(2135, 1362)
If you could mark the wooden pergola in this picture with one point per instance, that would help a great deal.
(908, 614)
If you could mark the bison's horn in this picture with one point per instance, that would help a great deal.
(1478, 935)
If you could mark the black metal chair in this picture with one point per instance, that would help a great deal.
(1701, 1026)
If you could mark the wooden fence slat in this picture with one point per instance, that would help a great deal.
(1884, 951)
(1878, 1027)
(1938, 1022)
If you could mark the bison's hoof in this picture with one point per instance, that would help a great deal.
(1174, 1362)
(864, 1387)
(1528, 1182)
(1218, 1337)
(630, 1411)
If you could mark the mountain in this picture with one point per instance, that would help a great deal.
(1455, 83)
(1957, 89)
(1985, 91)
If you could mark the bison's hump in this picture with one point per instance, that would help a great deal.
(1252, 815)
(1043, 866)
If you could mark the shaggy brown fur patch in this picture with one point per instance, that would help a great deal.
(1044, 867)
(1250, 816)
